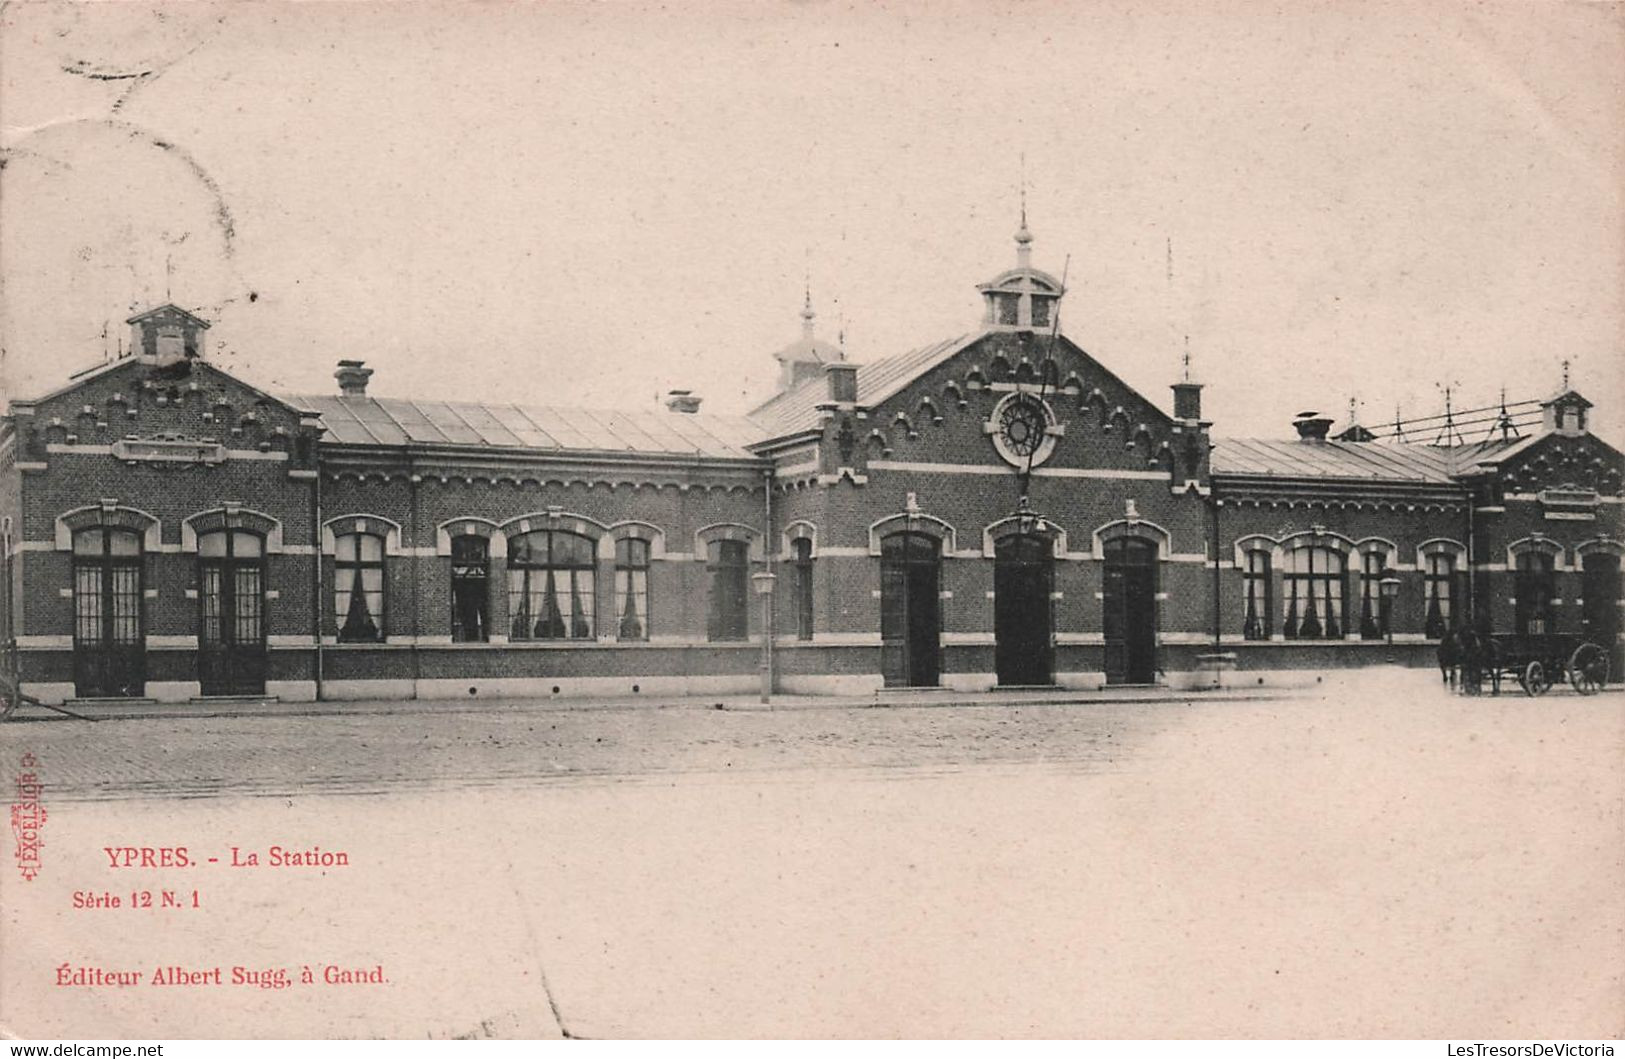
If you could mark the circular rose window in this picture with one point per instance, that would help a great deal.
(1021, 429)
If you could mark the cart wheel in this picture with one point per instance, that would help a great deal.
(1588, 668)
(1534, 679)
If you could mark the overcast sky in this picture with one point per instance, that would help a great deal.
(562, 203)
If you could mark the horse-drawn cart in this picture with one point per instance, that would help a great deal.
(1539, 660)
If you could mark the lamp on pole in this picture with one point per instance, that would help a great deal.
(1389, 584)
(763, 580)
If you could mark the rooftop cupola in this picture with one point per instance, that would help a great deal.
(805, 358)
(1565, 413)
(1024, 298)
(166, 335)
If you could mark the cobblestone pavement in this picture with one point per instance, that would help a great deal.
(372, 751)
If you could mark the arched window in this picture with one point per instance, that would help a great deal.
(1255, 594)
(470, 588)
(550, 585)
(632, 588)
(1373, 608)
(1439, 583)
(801, 559)
(1313, 582)
(358, 587)
(728, 572)
(1534, 589)
(108, 641)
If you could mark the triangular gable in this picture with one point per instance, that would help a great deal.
(170, 311)
(1559, 461)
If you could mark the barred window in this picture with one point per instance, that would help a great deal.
(1255, 619)
(470, 589)
(728, 571)
(551, 578)
(1439, 578)
(358, 587)
(1313, 581)
(106, 586)
(632, 588)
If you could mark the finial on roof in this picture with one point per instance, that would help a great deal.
(1186, 358)
(807, 314)
(1024, 237)
(1565, 375)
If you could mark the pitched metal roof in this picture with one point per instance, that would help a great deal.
(796, 410)
(397, 421)
(1347, 460)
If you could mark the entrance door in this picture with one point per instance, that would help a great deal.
(1023, 616)
(910, 614)
(1130, 611)
(1601, 613)
(231, 590)
(109, 644)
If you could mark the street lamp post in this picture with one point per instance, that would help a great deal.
(1389, 584)
(763, 580)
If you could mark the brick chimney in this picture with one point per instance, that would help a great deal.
(684, 401)
(1187, 400)
(843, 381)
(352, 378)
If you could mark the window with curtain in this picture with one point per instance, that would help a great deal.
(470, 584)
(550, 585)
(1373, 615)
(1313, 582)
(1255, 594)
(1439, 576)
(728, 574)
(801, 562)
(1534, 589)
(358, 587)
(632, 588)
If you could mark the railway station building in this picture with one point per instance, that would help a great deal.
(995, 508)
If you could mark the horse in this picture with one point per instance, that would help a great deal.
(1451, 652)
(1466, 657)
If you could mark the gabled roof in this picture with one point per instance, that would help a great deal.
(796, 409)
(397, 421)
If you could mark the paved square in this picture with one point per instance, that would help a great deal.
(1377, 859)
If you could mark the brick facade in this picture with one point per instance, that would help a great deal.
(167, 447)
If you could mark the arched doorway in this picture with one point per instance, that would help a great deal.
(910, 610)
(109, 641)
(231, 653)
(1023, 615)
(1129, 610)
